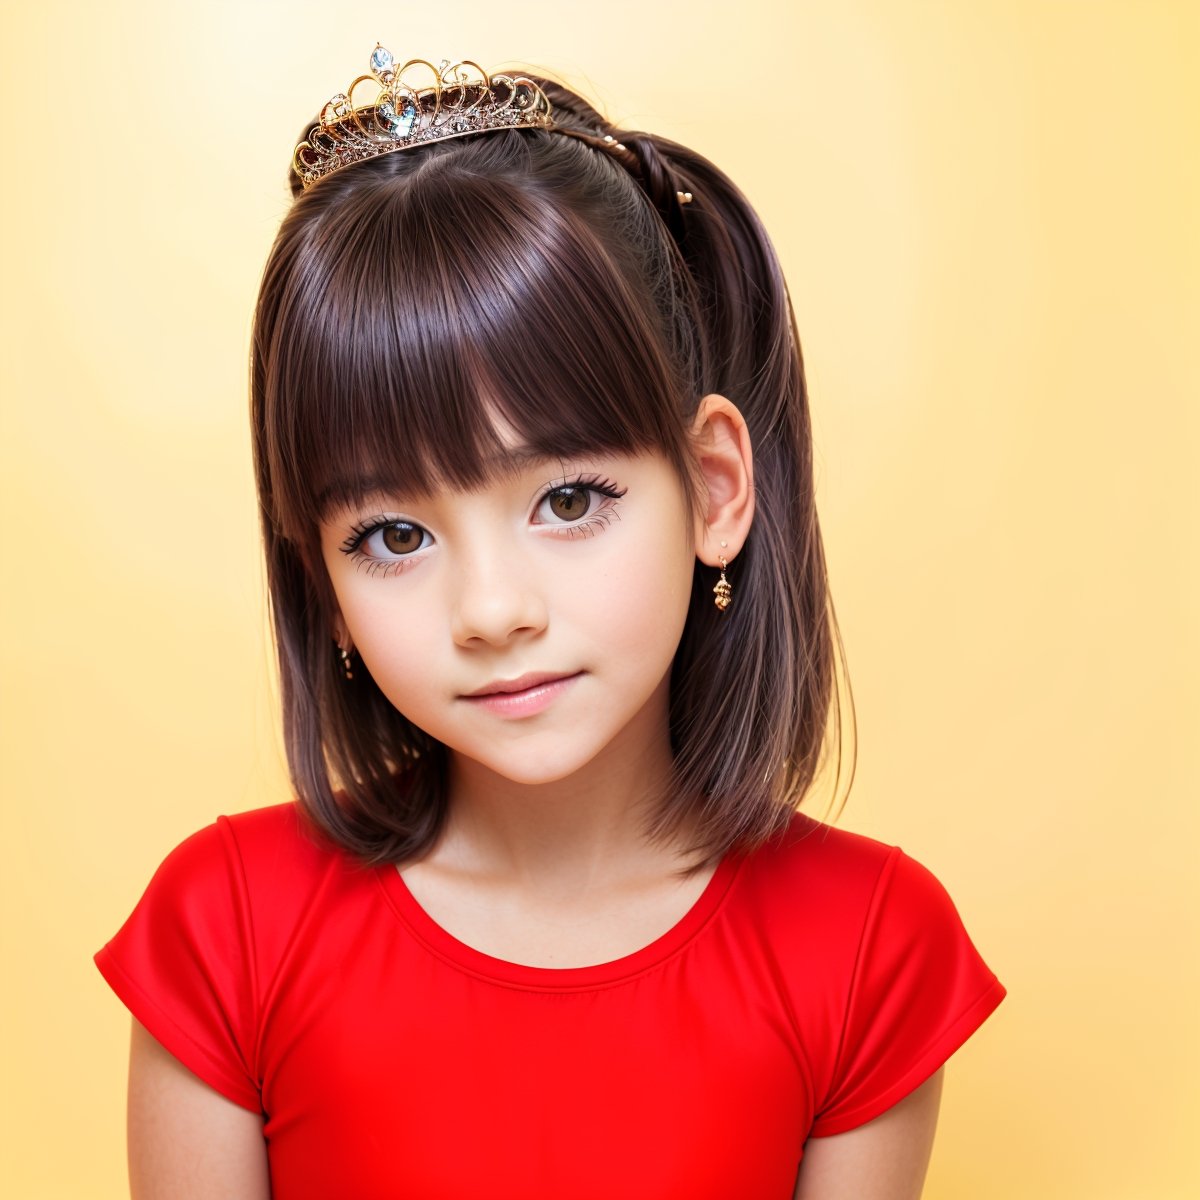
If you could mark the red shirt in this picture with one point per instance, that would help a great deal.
(813, 984)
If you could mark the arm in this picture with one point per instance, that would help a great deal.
(885, 1159)
(187, 1141)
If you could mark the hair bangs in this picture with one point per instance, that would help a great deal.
(433, 320)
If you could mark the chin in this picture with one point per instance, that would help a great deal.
(532, 768)
(531, 775)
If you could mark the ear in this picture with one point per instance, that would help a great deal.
(341, 634)
(721, 446)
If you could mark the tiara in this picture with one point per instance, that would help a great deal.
(399, 110)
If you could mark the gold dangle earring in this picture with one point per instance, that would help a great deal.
(723, 590)
(346, 664)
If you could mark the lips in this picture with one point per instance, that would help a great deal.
(521, 684)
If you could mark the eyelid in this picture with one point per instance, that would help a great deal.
(366, 528)
(597, 484)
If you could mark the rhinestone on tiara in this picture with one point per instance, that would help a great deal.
(399, 111)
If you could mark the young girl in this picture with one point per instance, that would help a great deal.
(557, 661)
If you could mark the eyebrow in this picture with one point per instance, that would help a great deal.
(356, 489)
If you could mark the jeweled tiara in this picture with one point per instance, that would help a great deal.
(462, 99)
(398, 111)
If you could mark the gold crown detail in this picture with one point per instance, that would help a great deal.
(397, 113)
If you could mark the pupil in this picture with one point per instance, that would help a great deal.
(401, 539)
(569, 502)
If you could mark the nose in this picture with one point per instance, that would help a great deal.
(495, 596)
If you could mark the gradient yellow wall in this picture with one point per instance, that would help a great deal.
(987, 212)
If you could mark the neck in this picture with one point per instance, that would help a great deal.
(570, 834)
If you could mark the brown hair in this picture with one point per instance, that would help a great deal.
(593, 311)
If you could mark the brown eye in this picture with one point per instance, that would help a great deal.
(385, 541)
(400, 538)
(569, 503)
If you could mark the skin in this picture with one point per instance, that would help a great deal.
(542, 860)
(187, 1141)
(885, 1159)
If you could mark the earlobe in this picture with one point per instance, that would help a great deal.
(341, 634)
(345, 645)
(721, 445)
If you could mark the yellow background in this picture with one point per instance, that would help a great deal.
(988, 215)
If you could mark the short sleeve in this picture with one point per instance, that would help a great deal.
(183, 963)
(919, 990)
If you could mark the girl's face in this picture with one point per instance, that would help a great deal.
(579, 570)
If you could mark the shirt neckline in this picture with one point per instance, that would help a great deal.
(446, 946)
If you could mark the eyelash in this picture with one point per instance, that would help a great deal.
(587, 526)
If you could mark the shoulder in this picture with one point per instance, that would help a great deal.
(273, 837)
(836, 891)
(880, 978)
(255, 869)
(278, 835)
(811, 862)
(810, 855)
(226, 901)
(191, 960)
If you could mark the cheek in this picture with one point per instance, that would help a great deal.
(641, 602)
(394, 640)
(407, 662)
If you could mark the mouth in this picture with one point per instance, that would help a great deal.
(518, 699)
(523, 683)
